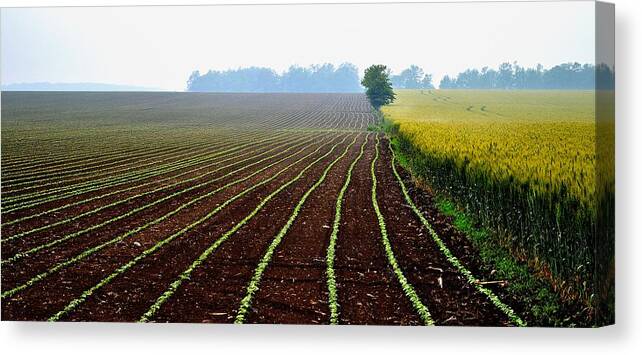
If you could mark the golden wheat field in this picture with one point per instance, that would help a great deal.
(543, 138)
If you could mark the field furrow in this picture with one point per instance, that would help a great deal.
(225, 208)
(436, 282)
(172, 181)
(367, 291)
(171, 213)
(253, 286)
(72, 191)
(105, 178)
(185, 236)
(510, 313)
(30, 249)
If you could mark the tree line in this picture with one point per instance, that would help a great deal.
(412, 78)
(316, 78)
(345, 78)
(513, 76)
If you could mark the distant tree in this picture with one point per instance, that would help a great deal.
(412, 78)
(193, 79)
(505, 76)
(513, 76)
(316, 78)
(346, 78)
(446, 83)
(378, 86)
(426, 82)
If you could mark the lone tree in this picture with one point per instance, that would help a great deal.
(378, 86)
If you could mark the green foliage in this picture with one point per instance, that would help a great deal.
(543, 304)
(407, 288)
(217, 163)
(524, 165)
(378, 86)
(132, 232)
(510, 313)
(330, 255)
(253, 285)
(185, 275)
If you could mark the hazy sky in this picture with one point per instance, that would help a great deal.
(160, 46)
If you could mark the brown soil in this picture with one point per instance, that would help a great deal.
(62, 214)
(77, 278)
(367, 289)
(293, 288)
(453, 301)
(13, 246)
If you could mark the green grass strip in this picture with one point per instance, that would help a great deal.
(76, 234)
(510, 313)
(421, 309)
(252, 154)
(97, 248)
(330, 255)
(185, 275)
(253, 285)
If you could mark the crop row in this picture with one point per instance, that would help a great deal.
(93, 150)
(66, 162)
(74, 303)
(253, 285)
(59, 187)
(233, 155)
(136, 210)
(185, 275)
(509, 312)
(76, 162)
(129, 178)
(53, 160)
(337, 120)
(93, 250)
(34, 176)
(96, 148)
(99, 175)
(330, 255)
(176, 182)
(408, 289)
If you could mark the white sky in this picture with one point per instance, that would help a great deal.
(160, 46)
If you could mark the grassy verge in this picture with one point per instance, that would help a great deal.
(537, 298)
(528, 288)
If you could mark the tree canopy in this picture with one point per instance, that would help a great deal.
(514, 76)
(376, 80)
(316, 78)
(412, 78)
